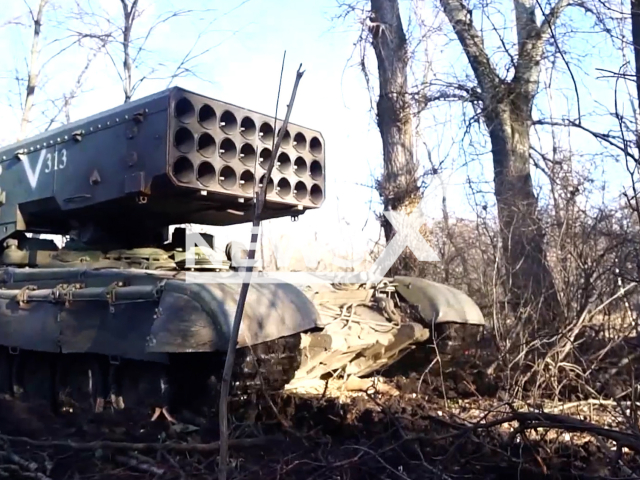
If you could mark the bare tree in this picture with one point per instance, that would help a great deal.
(131, 33)
(506, 108)
(382, 29)
(53, 40)
(32, 75)
(398, 187)
(635, 38)
(623, 140)
(505, 105)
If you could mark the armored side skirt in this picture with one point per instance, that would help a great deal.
(139, 315)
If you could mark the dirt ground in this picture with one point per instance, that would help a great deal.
(398, 434)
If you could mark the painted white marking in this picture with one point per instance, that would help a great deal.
(55, 161)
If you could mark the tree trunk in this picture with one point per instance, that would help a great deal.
(529, 279)
(398, 187)
(507, 106)
(635, 35)
(633, 200)
(33, 72)
(129, 14)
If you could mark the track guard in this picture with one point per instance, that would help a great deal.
(197, 317)
(439, 303)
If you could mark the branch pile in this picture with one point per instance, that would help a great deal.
(368, 436)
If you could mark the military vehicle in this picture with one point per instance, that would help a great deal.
(110, 318)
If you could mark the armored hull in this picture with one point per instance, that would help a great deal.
(82, 329)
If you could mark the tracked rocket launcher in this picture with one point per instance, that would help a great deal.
(109, 318)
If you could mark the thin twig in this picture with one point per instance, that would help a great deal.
(142, 447)
(248, 269)
(140, 466)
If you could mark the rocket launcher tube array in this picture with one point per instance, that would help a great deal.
(172, 157)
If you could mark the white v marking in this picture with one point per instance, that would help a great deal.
(33, 177)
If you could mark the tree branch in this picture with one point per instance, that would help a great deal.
(32, 71)
(141, 447)
(531, 40)
(551, 19)
(459, 16)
